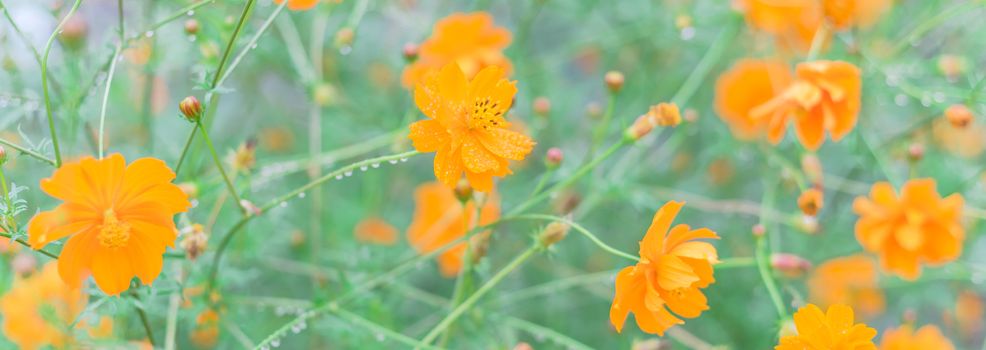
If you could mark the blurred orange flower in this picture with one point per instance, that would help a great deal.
(747, 85)
(469, 39)
(834, 329)
(299, 4)
(967, 142)
(826, 96)
(118, 219)
(38, 310)
(206, 331)
(466, 126)
(850, 280)
(918, 226)
(672, 270)
(792, 22)
(440, 218)
(905, 338)
(844, 14)
(970, 314)
(375, 230)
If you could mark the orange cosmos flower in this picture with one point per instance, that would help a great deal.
(844, 14)
(206, 331)
(917, 226)
(970, 314)
(375, 230)
(792, 22)
(834, 329)
(466, 126)
(469, 39)
(440, 218)
(905, 338)
(118, 219)
(299, 5)
(673, 269)
(824, 97)
(38, 310)
(747, 85)
(850, 280)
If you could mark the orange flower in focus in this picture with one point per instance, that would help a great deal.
(440, 218)
(905, 338)
(792, 22)
(850, 280)
(375, 230)
(917, 226)
(118, 218)
(672, 270)
(469, 39)
(206, 331)
(747, 85)
(38, 310)
(844, 14)
(299, 5)
(834, 329)
(824, 97)
(466, 126)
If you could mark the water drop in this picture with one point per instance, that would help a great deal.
(195, 203)
(939, 97)
(379, 337)
(149, 33)
(926, 101)
(392, 161)
(363, 168)
(403, 160)
(264, 347)
(338, 177)
(275, 342)
(345, 50)
(301, 195)
(284, 204)
(375, 165)
(687, 33)
(280, 311)
(192, 38)
(900, 100)
(253, 47)
(190, 13)
(349, 173)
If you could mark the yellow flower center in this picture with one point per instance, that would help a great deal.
(113, 233)
(486, 114)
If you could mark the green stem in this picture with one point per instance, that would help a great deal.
(932, 23)
(143, 318)
(27, 41)
(542, 182)
(539, 330)
(184, 150)
(582, 230)
(174, 16)
(253, 41)
(106, 95)
(378, 329)
(26, 244)
(730, 263)
(27, 151)
(6, 192)
(219, 165)
(600, 135)
(708, 61)
(762, 253)
(44, 81)
(488, 286)
(585, 169)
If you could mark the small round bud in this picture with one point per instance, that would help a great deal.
(542, 106)
(523, 346)
(410, 52)
(640, 128)
(811, 201)
(959, 115)
(74, 32)
(758, 231)
(790, 265)
(3, 155)
(8, 64)
(567, 202)
(479, 245)
(463, 191)
(683, 21)
(23, 263)
(191, 26)
(553, 233)
(594, 111)
(909, 317)
(195, 242)
(614, 81)
(297, 238)
(553, 158)
(344, 37)
(952, 66)
(191, 108)
(915, 152)
(251, 208)
(691, 115)
(809, 224)
(324, 94)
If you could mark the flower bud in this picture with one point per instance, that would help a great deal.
(324, 94)
(344, 37)
(683, 21)
(952, 66)
(191, 26)
(479, 245)
(23, 263)
(523, 346)
(811, 201)
(758, 231)
(251, 208)
(463, 191)
(195, 241)
(808, 224)
(410, 52)
(812, 167)
(640, 128)
(614, 81)
(190, 188)
(3, 155)
(8, 64)
(959, 115)
(553, 233)
(566, 202)
(191, 108)
(553, 158)
(297, 238)
(915, 152)
(790, 265)
(691, 115)
(74, 32)
(542, 106)
(666, 114)
(593, 110)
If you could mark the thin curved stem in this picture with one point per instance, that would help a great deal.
(219, 165)
(582, 230)
(27, 151)
(171, 18)
(378, 329)
(26, 244)
(44, 81)
(253, 41)
(106, 96)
